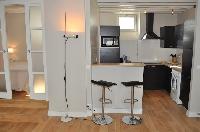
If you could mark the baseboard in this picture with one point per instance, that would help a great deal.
(71, 114)
(193, 114)
(124, 111)
(56, 113)
(78, 114)
(89, 113)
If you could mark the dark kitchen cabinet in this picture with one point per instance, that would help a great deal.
(167, 37)
(110, 55)
(110, 30)
(157, 77)
(187, 56)
(185, 90)
(179, 30)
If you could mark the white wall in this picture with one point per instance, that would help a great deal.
(92, 41)
(194, 105)
(76, 56)
(150, 51)
(129, 40)
(187, 15)
(16, 34)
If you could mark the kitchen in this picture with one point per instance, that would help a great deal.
(153, 51)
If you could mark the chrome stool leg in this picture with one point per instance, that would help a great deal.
(102, 119)
(132, 119)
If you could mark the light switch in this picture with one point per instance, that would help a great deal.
(198, 67)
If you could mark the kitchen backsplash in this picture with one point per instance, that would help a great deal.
(149, 51)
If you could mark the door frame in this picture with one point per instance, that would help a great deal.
(27, 4)
(6, 73)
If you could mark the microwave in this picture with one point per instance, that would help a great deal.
(109, 41)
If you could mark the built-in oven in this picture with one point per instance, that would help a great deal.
(109, 41)
(175, 86)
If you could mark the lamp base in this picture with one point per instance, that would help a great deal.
(66, 118)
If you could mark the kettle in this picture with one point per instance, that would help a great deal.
(124, 57)
(174, 58)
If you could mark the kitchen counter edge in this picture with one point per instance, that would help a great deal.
(120, 64)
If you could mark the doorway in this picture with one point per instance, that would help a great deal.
(17, 56)
(22, 51)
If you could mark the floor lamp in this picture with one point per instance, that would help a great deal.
(66, 118)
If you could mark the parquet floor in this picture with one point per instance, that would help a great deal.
(161, 114)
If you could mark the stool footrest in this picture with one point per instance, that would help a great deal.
(107, 101)
(129, 100)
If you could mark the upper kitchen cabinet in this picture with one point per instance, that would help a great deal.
(110, 31)
(182, 31)
(179, 29)
(167, 36)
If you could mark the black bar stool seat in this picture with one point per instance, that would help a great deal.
(103, 119)
(103, 83)
(132, 83)
(132, 119)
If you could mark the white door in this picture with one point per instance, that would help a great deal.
(5, 86)
(36, 51)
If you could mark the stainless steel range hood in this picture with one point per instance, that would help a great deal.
(149, 27)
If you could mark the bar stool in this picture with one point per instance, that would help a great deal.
(103, 119)
(132, 119)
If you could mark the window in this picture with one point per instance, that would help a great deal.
(128, 22)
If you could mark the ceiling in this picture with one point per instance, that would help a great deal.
(133, 6)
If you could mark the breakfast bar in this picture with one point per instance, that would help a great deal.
(118, 72)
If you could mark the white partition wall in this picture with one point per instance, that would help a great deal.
(5, 88)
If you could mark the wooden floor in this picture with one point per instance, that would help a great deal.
(160, 115)
(20, 95)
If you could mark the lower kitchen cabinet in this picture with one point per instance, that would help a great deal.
(185, 90)
(157, 77)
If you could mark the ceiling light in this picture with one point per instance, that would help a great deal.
(172, 11)
(127, 9)
(125, 5)
(145, 11)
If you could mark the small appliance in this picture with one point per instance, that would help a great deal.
(175, 86)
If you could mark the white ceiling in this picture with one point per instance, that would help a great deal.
(132, 6)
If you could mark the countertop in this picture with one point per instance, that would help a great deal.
(134, 64)
(176, 67)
